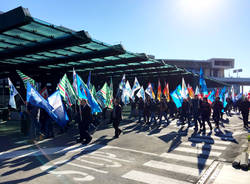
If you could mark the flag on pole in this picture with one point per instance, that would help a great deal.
(44, 93)
(203, 83)
(103, 96)
(126, 93)
(111, 94)
(89, 81)
(75, 82)
(190, 91)
(55, 101)
(35, 99)
(233, 94)
(67, 91)
(225, 99)
(166, 92)
(222, 93)
(184, 91)
(136, 86)
(159, 91)
(26, 79)
(176, 96)
(93, 91)
(84, 93)
(211, 97)
(13, 93)
(150, 91)
(141, 93)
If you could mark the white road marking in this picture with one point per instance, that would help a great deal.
(189, 159)
(203, 145)
(151, 178)
(208, 141)
(198, 150)
(173, 168)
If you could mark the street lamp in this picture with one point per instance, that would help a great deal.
(237, 71)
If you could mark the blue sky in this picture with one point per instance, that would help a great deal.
(174, 29)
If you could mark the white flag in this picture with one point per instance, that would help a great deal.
(13, 93)
(135, 87)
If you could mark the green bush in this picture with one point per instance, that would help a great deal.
(248, 138)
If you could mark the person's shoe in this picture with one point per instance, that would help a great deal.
(87, 141)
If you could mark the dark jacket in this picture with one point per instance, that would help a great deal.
(217, 107)
(244, 106)
(84, 117)
(205, 109)
(116, 114)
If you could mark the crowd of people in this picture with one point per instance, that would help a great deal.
(36, 123)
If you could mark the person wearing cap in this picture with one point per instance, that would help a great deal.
(205, 114)
(84, 118)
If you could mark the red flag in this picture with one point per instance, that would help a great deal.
(44, 93)
(190, 91)
(217, 93)
(166, 92)
(159, 91)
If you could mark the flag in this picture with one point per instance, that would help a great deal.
(150, 91)
(136, 86)
(67, 91)
(197, 91)
(203, 83)
(55, 101)
(89, 79)
(84, 93)
(211, 97)
(13, 93)
(217, 93)
(103, 96)
(126, 93)
(166, 92)
(44, 93)
(225, 99)
(190, 91)
(123, 82)
(93, 91)
(176, 96)
(141, 93)
(159, 91)
(111, 94)
(26, 79)
(75, 82)
(233, 94)
(184, 91)
(35, 99)
(222, 93)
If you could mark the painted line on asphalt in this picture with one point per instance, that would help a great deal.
(190, 159)
(173, 168)
(198, 150)
(203, 145)
(145, 177)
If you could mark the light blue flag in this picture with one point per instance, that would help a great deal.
(141, 93)
(203, 83)
(55, 101)
(135, 87)
(126, 93)
(84, 93)
(100, 99)
(89, 79)
(176, 96)
(222, 93)
(225, 100)
(35, 99)
(13, 93)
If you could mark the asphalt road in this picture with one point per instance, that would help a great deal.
(166, 153)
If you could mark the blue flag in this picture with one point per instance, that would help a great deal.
(35, 99)
(211, 97)
(55, 101)
(84, 93)
(176, 96)
(203, 83)
(222, 93)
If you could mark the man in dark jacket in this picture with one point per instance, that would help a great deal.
(116, 116)
(244, 107)
(205, 114)
(217, 109)
(196, 102)
(84, 119)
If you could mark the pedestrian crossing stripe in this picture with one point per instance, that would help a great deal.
(190, 159)
(149, 178)
(173, 168)
(198, 150)
(203, 145)
(208, 141)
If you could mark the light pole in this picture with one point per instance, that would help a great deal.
(237, 71)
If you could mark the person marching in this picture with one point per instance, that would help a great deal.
(205, 114)
(244, 107)
(116, 117)
(84, 118)
(196, 102)
(217, 108)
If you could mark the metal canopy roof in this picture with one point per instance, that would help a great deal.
(35, 47)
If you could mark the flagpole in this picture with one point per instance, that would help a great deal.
(21, 98)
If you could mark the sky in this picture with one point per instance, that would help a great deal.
(167, 29)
